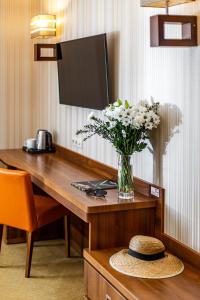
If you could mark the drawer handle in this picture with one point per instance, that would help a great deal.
(108, 297)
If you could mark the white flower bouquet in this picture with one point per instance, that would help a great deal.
(127, 127)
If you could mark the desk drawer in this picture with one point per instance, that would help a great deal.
(97, 287)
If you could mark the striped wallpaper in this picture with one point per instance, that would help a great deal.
(29, 95)
(15, 72)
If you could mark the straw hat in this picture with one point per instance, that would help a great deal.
(146, 258)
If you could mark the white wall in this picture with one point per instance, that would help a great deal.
(169, 75)
(15, 100)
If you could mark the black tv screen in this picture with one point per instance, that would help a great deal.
(83, 72)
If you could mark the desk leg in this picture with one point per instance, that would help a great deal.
(67, 234)
(115, 229)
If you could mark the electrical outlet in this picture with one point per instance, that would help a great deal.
(77, 142)
(155, 191)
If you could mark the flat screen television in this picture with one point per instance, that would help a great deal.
(83, 72)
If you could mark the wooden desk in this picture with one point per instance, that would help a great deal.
(111, 222)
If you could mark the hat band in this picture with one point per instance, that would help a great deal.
(146, 256)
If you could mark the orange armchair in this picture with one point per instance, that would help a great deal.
(20, 208)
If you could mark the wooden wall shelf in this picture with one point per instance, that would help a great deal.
(50, 53)
(162, 3)
(188, 30)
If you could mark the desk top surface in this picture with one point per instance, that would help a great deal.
(55, 173)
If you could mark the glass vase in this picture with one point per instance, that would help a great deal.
(125, 177)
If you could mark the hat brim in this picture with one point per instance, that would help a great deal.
(165, 267)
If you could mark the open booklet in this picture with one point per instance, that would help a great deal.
(103, 184)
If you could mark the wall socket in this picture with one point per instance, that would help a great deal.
(155, 191)
(77, 142)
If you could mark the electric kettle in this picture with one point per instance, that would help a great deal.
(44, 140)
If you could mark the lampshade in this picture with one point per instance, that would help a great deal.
(162, 3)
(43, 26)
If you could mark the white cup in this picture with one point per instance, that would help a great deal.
(31, 143)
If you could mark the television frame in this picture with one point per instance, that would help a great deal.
(107, 79)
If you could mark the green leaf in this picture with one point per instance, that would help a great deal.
(126, 104)
(119, 102)
(142, 146)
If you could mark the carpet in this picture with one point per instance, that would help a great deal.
(53, 277)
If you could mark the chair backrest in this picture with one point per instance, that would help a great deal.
(17, 207)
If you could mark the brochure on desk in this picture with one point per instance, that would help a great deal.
(103, 184)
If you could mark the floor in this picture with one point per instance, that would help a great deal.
(53, 276)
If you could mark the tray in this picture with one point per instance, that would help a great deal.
(38, 151)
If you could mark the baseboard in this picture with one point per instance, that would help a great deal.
(182, 251)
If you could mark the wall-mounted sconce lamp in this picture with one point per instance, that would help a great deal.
(43, 26)
(171, 30)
